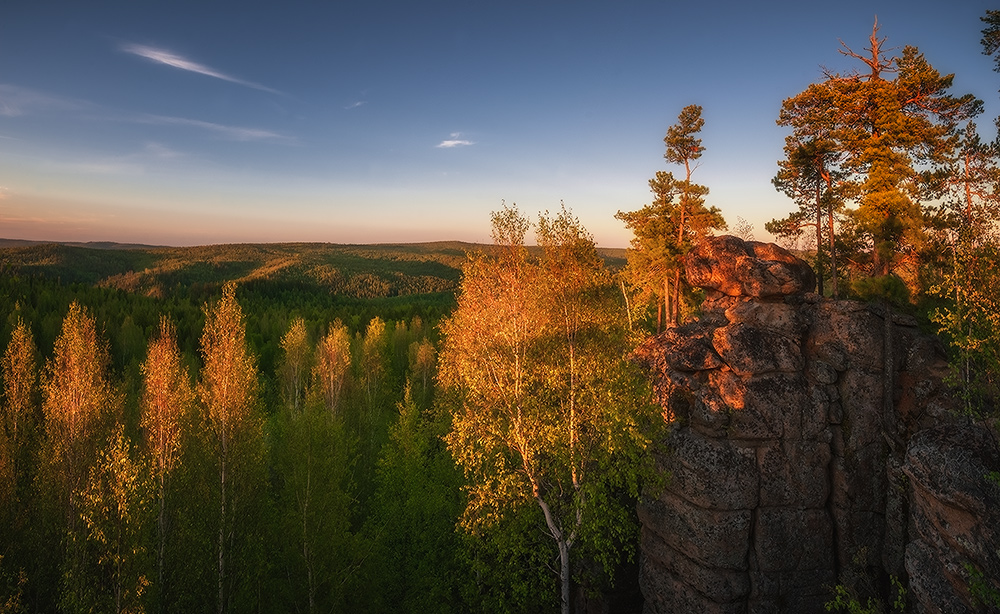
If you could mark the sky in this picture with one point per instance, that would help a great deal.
(188, 123)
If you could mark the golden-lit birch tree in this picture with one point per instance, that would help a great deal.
(294, 367)
(113, 509)
(544, 414)
(77, 395)
(17, 413)
(227, 390)
(167, 400)
(77, 402)
(332, 365)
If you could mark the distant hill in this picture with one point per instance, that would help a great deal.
(362, 271)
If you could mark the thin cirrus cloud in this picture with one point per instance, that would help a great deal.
(454, 141)
(162, 56)
(16, 101)
(234, 133)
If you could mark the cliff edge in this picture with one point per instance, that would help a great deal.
(814, 444)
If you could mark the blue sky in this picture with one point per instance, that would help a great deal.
(187, 123)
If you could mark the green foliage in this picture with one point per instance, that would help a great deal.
(882, 287)
(533, 357)
(666, 229)
(984, 593)
(844, 600)
(890, 141)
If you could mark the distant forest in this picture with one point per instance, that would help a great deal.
(341, 493)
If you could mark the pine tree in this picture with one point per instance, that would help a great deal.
(666, 229)
(886, 131)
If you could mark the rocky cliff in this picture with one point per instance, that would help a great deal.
(814, 444)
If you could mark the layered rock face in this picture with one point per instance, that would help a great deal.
(802, 458)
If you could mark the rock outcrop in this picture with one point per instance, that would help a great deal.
(809, 448)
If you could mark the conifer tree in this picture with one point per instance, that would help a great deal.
(807, 175)
(886, 132)
(666, 229)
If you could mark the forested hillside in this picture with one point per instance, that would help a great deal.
(138, 481)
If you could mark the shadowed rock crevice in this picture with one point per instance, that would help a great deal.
(786, 474)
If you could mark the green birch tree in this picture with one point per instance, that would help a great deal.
(544, 412)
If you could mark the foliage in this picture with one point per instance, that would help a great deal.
(113, 503)
(227, 391)
(665, 229)
(889, 139)
(845, 601)
(807, 175)
(535, 356)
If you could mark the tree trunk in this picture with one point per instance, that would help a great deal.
(161, 523)
(833, 250)
(222, 528)
(677, 296)
(889, 384)
(819, 241)
(564, 576)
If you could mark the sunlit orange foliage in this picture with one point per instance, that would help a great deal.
(333, 360)
(228, 383)
(76, 397)
(295, 367)
(20, 379)
(228, 393)
(166, 398)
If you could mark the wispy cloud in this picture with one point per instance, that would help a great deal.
(159, 151)
(454, 141)
(162, 56)
(355, 105)
(235, 133)
(16, 100)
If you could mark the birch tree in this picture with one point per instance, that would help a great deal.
(167, 400)
(227, 390)
(18, 411)
(537, 364)
(332, 365)
(78, 402)
(295, 365)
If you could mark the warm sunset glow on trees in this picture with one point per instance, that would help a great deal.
(78, 403)
(113, 505)
(807, 175)
(296, 363)
(20, 402)
(332, 365)
(228, 393)
(535, 353)
(77, 397)
(167, 400)
(889, 135)
(666, 229)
